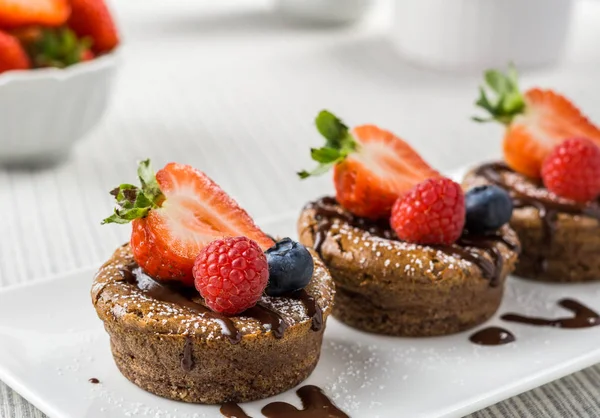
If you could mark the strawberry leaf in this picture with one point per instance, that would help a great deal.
(332, 128)
(339, 143)
(508, 101)
(133, 202)
(325, 154)
(149, 183)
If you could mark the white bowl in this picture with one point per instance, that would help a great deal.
(44, 112)
(479, 34)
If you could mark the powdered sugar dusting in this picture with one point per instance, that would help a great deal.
(125, 302)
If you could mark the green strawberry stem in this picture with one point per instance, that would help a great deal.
(509, 101)
(57, 47)
(133, 202)
(338, 144)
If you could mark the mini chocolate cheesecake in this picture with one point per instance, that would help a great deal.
(166, 341)
(560, 238)
(387, 286)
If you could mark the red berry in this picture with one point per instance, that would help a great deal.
(231, 274)
(87, 55)
(372, 166)
(192, 212)
(433, 212)
(12, 54)
(92, 18)
(572, 170)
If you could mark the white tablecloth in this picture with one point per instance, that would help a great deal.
(231, 89)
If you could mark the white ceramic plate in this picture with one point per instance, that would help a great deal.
(51, 343)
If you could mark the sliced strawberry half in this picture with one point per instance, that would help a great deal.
(372, 166)
(536, 121)
(175, 215)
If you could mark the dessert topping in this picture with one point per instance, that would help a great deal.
(372, 167)
(231, 274)
(572, 170)
(536, 121)
(290, 267)
(488, 208)
(433, 212)
(175, 214)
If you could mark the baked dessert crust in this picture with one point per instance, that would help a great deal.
(391, 287)
(179, 353)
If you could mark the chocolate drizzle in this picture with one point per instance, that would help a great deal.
(187, 359)
(313, 310)
(315, 404)
(267, 316)
(135, 275)
(584, 317)
(233, 410)
(548, 207)
(182, 296)
(327, 210)
(492, 336)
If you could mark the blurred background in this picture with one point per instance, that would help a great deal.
(232, 87)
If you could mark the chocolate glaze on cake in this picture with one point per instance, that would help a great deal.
(547, 203)
(165, 340)
(183, 296)
(468, 247)
(584, 317)
(558, 235)
(392, 287)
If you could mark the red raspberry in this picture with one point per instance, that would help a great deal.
(231, 274)
(432, 212)
(572, 170)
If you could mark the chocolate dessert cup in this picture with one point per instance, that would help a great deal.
(387, 286)
(166, 341)
(560, 238)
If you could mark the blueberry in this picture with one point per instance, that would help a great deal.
(488, 208)
(290, 267)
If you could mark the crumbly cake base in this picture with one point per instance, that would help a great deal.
(570, 255)
(402, 289)
(253, 369)
(150, 339)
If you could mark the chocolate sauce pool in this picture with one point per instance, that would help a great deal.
(315, 404)
(133, 274)
(327, 209)
(584, 317)
(233, 410)
(492, 336)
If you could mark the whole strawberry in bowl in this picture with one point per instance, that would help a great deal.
(58, 59)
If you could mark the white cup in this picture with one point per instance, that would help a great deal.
(478, 34)
(324, 11)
